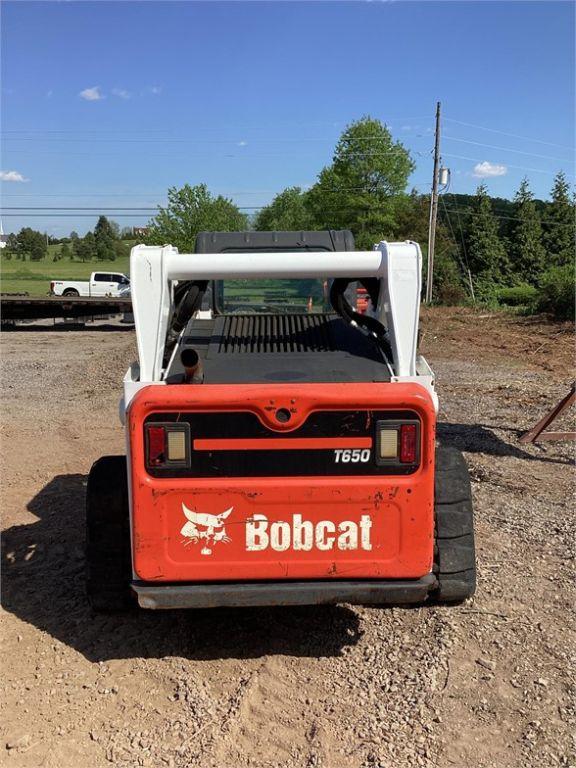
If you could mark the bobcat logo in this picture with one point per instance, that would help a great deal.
(212, 529)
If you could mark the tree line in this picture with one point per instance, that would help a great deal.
(492, 250)
(104, 243)
(487, 249)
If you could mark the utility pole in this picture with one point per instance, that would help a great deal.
(433, 210)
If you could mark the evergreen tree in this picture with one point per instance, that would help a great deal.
(90, 246)
(559, 224)
(104, 236)
(527, 253)
(66, 252)
(485, 251)
(85, 248)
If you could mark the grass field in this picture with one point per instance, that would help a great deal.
(33, 277)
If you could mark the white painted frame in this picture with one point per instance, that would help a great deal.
(153, 270)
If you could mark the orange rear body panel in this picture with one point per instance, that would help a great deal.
(281, 527)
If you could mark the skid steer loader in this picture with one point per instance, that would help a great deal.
(278, 455)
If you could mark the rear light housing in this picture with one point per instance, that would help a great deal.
(167, 445)
(398, 443)
(408, 443)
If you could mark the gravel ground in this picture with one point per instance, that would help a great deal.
(483, 685)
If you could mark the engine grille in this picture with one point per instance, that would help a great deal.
(276, 333)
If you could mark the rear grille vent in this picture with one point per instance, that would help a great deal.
(276, 333)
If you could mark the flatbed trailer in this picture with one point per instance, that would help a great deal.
(41, 308)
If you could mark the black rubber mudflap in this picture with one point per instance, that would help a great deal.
(454, 556)
(108, 562)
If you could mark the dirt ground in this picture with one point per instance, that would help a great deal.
(484, 685)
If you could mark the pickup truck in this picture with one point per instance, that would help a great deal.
(100, 284)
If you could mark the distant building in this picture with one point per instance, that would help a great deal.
(139, 231)
(3, 237)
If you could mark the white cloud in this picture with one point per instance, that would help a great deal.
(11, 176)
(156, 90)
(486, 170)
(49, 94)
(91, 94)
(122, 93)
(242, 143)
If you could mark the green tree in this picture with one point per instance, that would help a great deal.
(75, 245)
(85, 247)
(90, 246)
(104, 236)
(412, 219)
(191, 210)
(121, 249)
(485, 251)
(559, 224)
(357, 191)
(11, 246)
(30, 243)
(527, 254)
(66, 252)
(287, 211)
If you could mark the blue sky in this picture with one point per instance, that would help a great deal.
(107, 104)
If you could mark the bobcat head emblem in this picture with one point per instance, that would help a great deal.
(206, 528)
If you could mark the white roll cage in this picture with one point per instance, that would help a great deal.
(154, 271)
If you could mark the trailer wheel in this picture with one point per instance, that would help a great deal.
(454, 556)
(70, 292)
(108, 561)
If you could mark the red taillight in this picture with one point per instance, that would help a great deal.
(408, 445)
(156, 446)
(167, 445)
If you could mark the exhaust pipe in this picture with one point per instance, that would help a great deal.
(193, 370)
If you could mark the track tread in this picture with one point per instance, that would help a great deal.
(108, 561)
(455, 561)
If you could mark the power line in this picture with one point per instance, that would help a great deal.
(331, 123)
(467, 267)
(461, 232)
(508, 165)
(512, 135)
(164, 139)
(507, 149)
(73, 208)
(333, 190)
(469, 212)
(64, 215)
(363, 209)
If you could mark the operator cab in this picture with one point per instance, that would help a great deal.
(282, 331)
